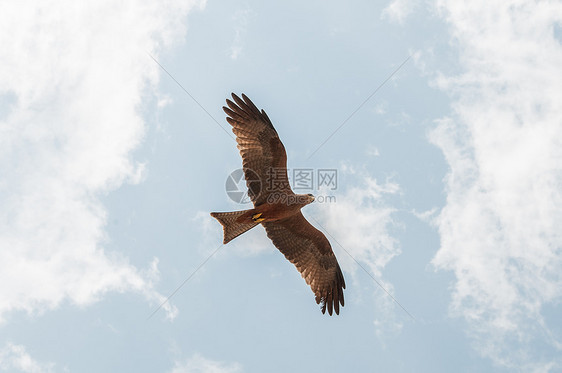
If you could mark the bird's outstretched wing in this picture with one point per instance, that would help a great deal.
(310, 251)
(263, 155)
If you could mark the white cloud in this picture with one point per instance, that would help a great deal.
(75, 74)
(200, 364)
(359, 221)
(241, 19)
(427, 216)
(373, 151)
(499, 230)
(15, 358)
(381, 108)
(402, 119)
(398, 10)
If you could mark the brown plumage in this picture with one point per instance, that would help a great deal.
(276, 207)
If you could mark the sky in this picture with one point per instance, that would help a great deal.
(440, 120)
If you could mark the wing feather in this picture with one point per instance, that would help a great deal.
(260, 147)
(310, 251)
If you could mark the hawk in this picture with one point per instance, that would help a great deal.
(276, 207)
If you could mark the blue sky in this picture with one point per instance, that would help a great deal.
(449, 185)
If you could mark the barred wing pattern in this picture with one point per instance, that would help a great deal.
(260, 147)
(310, 251)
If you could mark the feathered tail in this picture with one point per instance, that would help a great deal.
(234, 223)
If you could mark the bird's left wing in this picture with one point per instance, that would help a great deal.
(263, 155)
(310, 251)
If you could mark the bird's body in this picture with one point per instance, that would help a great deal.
(276, 207)
(270, 212)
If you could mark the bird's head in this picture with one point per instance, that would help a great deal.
(310, 198)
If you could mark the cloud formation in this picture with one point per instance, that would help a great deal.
(15, 358)
(398, 10)
(240, 19)
(358, 226)
(499, 230)
(74, 77)
(200, 364)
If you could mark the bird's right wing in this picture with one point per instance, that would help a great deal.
(310, 251)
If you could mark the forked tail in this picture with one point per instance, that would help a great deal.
(234, 223)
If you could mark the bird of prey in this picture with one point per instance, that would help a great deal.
(276, 207)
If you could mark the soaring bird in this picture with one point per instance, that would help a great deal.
(276, 207)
